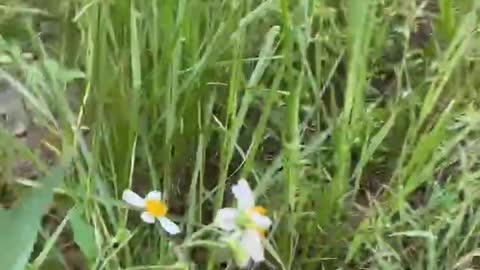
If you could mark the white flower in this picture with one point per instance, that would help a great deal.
(250, 220)
(153, 208)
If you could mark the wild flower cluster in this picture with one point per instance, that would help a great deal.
(243, 228)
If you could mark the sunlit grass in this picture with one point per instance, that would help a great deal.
(356, 123)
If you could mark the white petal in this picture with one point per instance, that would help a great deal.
(169, 226)
(244, 194)
(133, 198)
(252, 244)
(226, 219)
(154, 195)
(263, 222)
(147, 218)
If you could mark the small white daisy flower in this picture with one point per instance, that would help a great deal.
(250, 220)
(153, 208)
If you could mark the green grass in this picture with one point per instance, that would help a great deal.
(356, 125)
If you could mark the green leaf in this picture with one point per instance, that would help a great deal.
(83, 234)
(20, 225)
(62, 74)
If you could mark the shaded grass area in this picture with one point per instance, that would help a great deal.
(357, 123)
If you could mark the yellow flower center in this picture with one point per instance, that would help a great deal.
(156, 208)
(261, 232)
(259, 210)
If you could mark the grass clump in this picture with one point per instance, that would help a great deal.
(355, 122)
